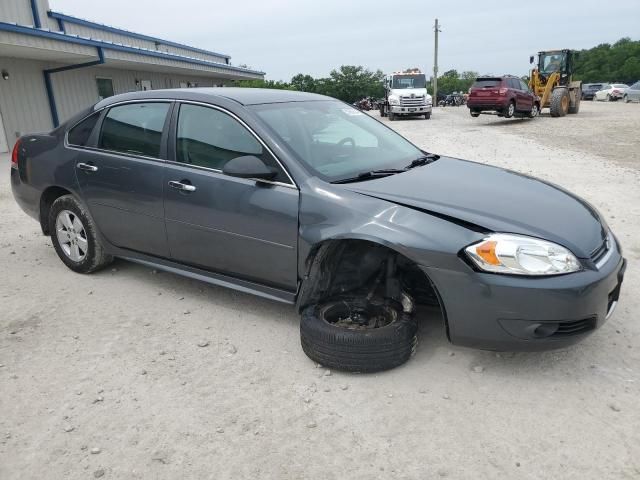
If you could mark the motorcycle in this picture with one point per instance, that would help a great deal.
(452, 100)
(366, 104)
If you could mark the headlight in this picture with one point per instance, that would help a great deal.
(428, 100)
(394, 100)
(520, 255)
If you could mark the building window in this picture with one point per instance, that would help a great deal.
(105, 87)
(145, 85)
(135, 128)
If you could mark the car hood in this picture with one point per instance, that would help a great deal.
(493, 199)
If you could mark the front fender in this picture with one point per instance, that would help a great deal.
(330, 213)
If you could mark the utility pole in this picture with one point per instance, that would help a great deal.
(436, 29)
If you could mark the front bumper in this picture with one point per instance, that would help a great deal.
(511, 313)
(410, 109)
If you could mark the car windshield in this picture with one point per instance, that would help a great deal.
(409, 81)
(336, 141)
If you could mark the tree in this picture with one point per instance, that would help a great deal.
(303, 83)
(619, 62)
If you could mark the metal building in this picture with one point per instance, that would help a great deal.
(53, 65)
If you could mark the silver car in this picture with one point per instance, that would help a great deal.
(632, 93)
(610, 92)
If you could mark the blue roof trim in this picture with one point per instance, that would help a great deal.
(12, 27)
(107, 28)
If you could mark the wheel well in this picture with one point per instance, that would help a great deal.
(337, 267)
(50, 195)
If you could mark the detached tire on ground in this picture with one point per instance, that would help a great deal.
(356, 335)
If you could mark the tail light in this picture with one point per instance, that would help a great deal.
(503, 91)
(14, 154)
(615, 91)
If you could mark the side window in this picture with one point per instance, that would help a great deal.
(208, 137)
(79, 135)
(524, 86)
(514, 83)
(134, 128)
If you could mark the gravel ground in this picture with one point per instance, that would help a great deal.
(129, 373)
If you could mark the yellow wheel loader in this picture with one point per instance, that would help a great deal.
(552, 80)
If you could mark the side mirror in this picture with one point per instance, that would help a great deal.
(531, 59)
(249, 166)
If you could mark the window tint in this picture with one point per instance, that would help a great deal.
(79, 135)
(210, 138)
(514, 83)
(486, 83)
(135, 128)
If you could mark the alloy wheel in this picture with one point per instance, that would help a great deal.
(72, 235)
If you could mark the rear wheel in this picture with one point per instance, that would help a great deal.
(357, 334)
(576, 108)
(608, 98)
(510, 110)
(74, 236)
(626, 99)
(559, 105)
(474, 114)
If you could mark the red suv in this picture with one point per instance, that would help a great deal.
(506, 96)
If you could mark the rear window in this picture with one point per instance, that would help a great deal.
(620, 85)
(487, 83)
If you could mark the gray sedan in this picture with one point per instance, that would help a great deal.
(303, 199)
(632, 94)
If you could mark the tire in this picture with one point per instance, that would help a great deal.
(510, 110)
(608, 98)
(382, 113)
(357, 350)
(474, 114)
(576, 108)
(626, 99)
(427, 116)
(392, 116)
(559, 105)
(74, 236)
(535, 111)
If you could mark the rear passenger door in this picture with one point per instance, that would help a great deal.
(120, 174)
(244, 228)
(527, 96)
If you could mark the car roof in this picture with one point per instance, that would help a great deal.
(243, 96)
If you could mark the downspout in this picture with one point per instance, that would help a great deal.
(61, 26)
(49, 85)
(36, 15)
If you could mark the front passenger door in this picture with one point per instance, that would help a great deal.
(240, 227)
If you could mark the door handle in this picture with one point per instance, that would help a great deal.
(184, 187)
(86, 167)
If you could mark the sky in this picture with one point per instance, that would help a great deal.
(286, 37)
